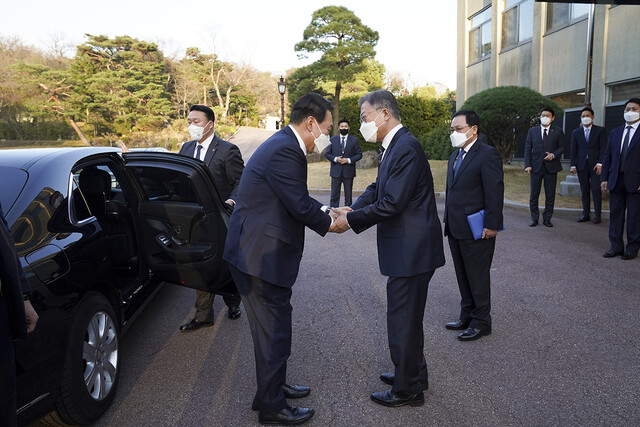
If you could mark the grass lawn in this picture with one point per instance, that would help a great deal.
(516, 182)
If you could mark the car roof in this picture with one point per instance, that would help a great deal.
(25, 158)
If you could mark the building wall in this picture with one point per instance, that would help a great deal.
(563, 58)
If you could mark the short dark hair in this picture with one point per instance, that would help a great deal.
(344, 121)
(470, 116)
(549, 109)
(311, 104)
(206, 110)
(382, 99)
(634, 100)
(589, 109)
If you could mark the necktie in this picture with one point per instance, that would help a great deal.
(380, 154)
(458, 162)
(544, 136)
(625, 148)
(586, 134)
(198, 151)
(343, 143)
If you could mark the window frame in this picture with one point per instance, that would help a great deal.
(571, 21)
(517, 8)
(479, 27)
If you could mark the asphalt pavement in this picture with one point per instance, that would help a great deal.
(563, 352)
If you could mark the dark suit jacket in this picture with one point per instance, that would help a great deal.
(611, 162)
(352, 150)
(587, 155)
(402, 203)
(478, 185)
(14, 283)
(266, 231)
(534, 151)
(225, 162)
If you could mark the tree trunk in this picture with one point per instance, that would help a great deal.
(226, 103)
(336, 110)
(79, 132)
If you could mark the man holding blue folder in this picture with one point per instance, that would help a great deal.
(474, 199)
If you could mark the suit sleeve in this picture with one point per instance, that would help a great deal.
(602, 145)
(606, 160)
(234, 165)
(358, 154)
(493, 188)
(560, 148)
(574, 149)
(329, 151)
(528, 144)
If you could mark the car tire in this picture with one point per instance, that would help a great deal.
(92, 364)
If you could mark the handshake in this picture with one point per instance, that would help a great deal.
(339, 215)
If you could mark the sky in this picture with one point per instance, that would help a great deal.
(417, 38)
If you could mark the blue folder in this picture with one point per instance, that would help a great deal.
(476, 222)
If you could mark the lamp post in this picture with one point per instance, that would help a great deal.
(282, 87)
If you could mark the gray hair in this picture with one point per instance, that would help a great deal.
(381, 99)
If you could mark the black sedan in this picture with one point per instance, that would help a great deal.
(97, 232)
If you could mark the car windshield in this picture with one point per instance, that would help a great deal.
(12, 181)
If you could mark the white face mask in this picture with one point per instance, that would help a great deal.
(321, 142)
(196, 132)
(458, 139)
(631, 116)
(586, 121)
(545, 121)
(369, 130)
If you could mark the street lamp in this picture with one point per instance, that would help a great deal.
(282, 88)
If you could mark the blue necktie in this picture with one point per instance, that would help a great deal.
(343, 143)
(198, 151)
(586, 134)
(458, 162)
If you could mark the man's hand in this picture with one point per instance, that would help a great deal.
(489, 234)
(549, 156)
(31, 316)
(340, 224)
(603, 186)
(598, 169)
(574, 170)
(343, 160)
(230, 202)
(528, 170)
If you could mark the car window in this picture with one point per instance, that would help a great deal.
(93, 187)
(165, 184)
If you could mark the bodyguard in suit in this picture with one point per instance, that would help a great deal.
(402, 204)
(587, 149)
(226, 165)
(264, 248)
(343, 153)
(17, 318)
(621, 176)
(542, 150)
(474, 183)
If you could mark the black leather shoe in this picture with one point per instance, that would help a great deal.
(533, 223)
(194, 324)
(390, 377)
(290, 415)
(597, 220)
(547, 223)
(612, 254)
(630, 255)
(584, 218)
(389, 398)
(473, 334)
(295, 391)
(234, 312)
(457, 325)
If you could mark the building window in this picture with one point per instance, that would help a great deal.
(480, 35)
(517, 22)
(562, 14)
(622, 92)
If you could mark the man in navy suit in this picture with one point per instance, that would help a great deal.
(542, 150)
(226, 165)
(402, 204)
(587, 149)
(621, 176)
(264, 248)
(17, 318)
(343, 153)
(474, 183)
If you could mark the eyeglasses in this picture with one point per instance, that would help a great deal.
(458, 129)
(362, 117)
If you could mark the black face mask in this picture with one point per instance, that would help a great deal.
(344, 132)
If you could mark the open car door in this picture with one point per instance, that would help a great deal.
(183, 221)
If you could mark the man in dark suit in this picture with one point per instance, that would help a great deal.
(587, 149)
(542, 150)
(343, 153)
(17, 318)
(264, 248)
(225, 163)
(621, 176)
(402, 203)
(474, 183)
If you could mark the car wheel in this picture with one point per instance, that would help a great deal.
(92, 365)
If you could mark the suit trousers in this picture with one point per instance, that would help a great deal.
(619, 202)
(549, 193)
(472, 261)
(7, 370)
(269, 310)
(204, 304)
(406, 300)
(590, 185)
(335, 191)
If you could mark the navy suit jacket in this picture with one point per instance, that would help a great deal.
(611, 162)
(534, 150)
(225, 163)
(587, 154)
(352, 150)
(402, 203)
(478, 185)
(266, 230)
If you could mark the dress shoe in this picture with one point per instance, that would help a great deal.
(295, 391)
(290, 415)
(234, 312)
(533, 223)
(195, 324)
(612, 254)
(390, 377)
(389, 398)
(597, 220)
(584, 218)
(547, 223)
(630, 255)
(458, 325)
(473, 334)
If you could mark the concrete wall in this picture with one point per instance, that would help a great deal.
(515, 66)
(622, 44)
(564, 64)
